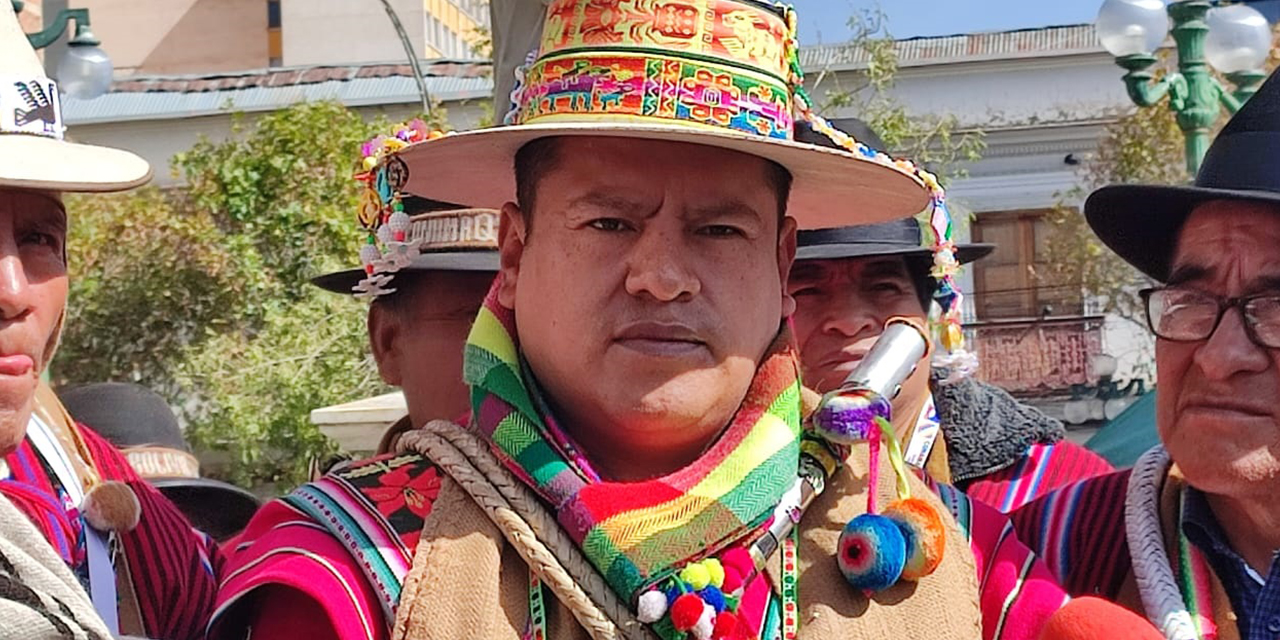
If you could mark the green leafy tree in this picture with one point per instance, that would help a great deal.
(201, 292)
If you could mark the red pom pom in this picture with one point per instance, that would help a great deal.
(686, 611)
(738, 559)
(732, 580)
(726, 626)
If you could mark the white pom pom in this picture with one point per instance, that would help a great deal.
(652, 606)
(386, 234)
(399, 221)
(369, 254)
(706, 623)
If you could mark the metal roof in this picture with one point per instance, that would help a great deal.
(1001, 45)
(168, 97)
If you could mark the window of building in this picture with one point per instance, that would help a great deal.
(273, 14)
(1013, 281)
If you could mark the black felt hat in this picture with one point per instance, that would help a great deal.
(896, 237)
(899, 237)
(140, 423)
(1141, 222)
(452, 238)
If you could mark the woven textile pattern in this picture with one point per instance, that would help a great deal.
(738, 32)
(635, 533)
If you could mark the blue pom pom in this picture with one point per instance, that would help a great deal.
(714, 597)
(872, 552)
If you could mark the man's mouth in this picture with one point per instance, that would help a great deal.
(1227, 404)
(16, 365)
(659, 338)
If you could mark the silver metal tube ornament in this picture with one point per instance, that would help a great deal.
(847, 414)
(849, 410)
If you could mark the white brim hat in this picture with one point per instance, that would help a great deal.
(33, 153)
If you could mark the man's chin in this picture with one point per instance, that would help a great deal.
(13, 427)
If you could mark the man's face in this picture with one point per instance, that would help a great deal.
(1217, 408)
(33, 293)
(841, 308)
(647, 284)
(418, 341)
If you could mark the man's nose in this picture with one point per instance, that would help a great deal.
(658, 266)
(847, 314)
(1229, 350)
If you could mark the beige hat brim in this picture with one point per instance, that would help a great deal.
(476, 168)
(34, 162)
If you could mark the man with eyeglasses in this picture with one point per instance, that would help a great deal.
(1190, 535)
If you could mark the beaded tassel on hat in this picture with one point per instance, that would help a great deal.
(387, 248)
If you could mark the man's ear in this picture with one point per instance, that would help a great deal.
(786, 258)
(384, 333)
(512, 237)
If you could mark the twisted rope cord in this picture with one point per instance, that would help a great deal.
(1151, 570)
(525, 523)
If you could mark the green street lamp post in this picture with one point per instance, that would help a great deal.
(1234, 39)
(85, 69)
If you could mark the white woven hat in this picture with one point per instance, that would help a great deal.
(33, 153)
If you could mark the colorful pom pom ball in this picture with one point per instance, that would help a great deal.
(651, 607)
(715, 570)
(686, 612)
(714, 597)
(846, 418)
(924, 533)
(696, 575)
(726, 626)
(871, 552)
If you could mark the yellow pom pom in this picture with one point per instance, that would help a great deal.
(952, 337)
(697, 576)
(716, 571)
(370, 162)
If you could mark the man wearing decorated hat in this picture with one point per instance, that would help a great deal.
(147, 571)
(636, 463)
(418, 322)
(847, 283)
(1190, 535)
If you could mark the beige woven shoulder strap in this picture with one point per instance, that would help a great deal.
(529, 528)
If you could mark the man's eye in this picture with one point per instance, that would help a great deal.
(720, 231)
(607, 224)
(44, 239)
(887, 287)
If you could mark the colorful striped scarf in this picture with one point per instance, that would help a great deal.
(640, 532)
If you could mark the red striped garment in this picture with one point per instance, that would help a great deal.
(172, 566)
(1078, 531)
(1044, 468)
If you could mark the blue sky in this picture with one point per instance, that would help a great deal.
(824, 21)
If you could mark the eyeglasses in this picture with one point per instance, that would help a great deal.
(1187, 315)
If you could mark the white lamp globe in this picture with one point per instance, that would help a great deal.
(1076, 411)
(84, 72)
(1102, 365)
(1239, 38)
(1128, 27)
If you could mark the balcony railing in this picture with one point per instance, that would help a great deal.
(1037, 356)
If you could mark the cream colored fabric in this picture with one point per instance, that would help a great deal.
(467, 581)
(37, 588)
(941, 606)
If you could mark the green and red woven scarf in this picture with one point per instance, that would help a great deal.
(640, 532)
